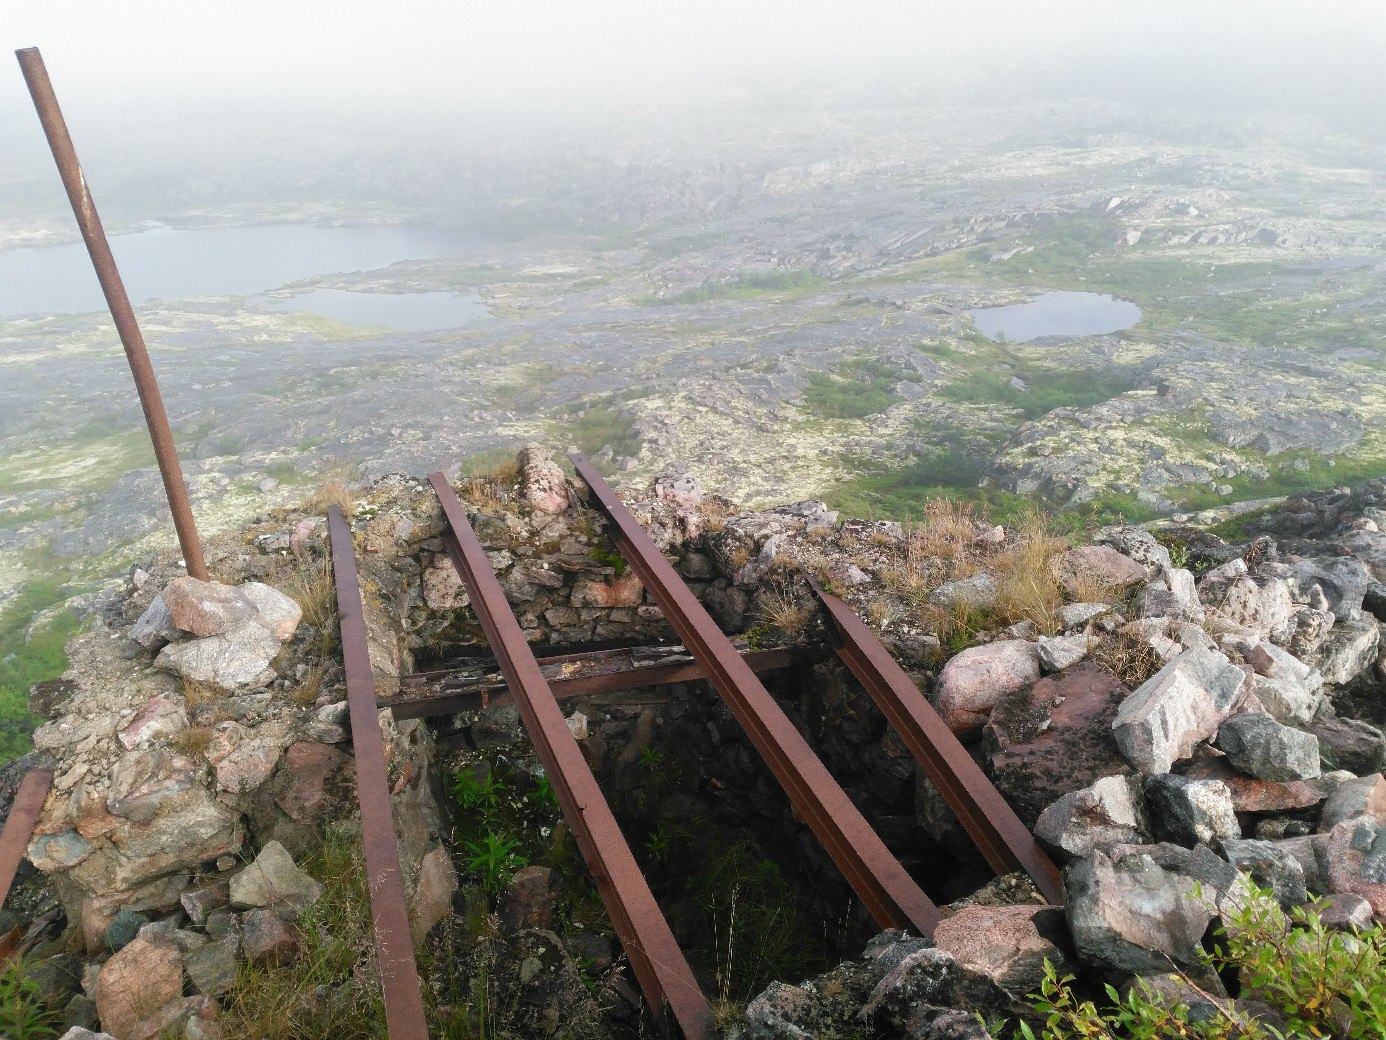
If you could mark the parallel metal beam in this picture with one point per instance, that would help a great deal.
(84, 209)
(486, 691)
(1004, 841)
(19, 824)
(893, 898)
(659, 965)
(394, 943)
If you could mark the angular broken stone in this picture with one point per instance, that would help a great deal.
(1260, 747)
(1172, 595)
(1061, 652)
(1181, 705)
(1190, 812)
(1008, 944)
(975, 593)
(1076, 615)
(543, 485)
(1085, 565)
(1350, 744)
(273, 879)
(1270, 866)
(1349, 649)
(212, 968)
(205, 608)
(137, 985)
(1111, 811)
(156, 721)
(973, 681)
(266, 939)
(155, 626)
(1360, 796)
(1134, 916)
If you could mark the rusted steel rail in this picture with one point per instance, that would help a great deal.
(19, 824)
(573, 675)
(146, 385)
(394, 943)
(1004, 841)
(892, 897)
(659, 965)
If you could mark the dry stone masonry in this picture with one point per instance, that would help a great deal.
(1175, 727)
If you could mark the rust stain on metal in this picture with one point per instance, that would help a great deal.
(893, 898)
(84, 209)
(19, 824)
(572, 681)
(394, 943)
(659, 965)
(1003, 840)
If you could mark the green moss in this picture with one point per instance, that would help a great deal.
(25, 661)
(856, 388)
(1047, 388)
(745, 286)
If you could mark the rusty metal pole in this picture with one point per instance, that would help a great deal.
(60, 141)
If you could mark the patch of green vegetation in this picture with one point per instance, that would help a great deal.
(744, 286)
(25, 661)
(680, 244)
(1045, 389)
(334, 934)
(856, 388)
(594, 423)
(24, 1015)
(1318, 981)
(606, 558)
(1291, 474)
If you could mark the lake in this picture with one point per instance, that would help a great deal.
(168, 264)
(1056, 314)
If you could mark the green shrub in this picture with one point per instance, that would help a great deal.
(856, 388)
(1325, 983)
(23, 1013)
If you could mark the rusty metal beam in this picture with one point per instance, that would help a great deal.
(394, 943)
(19, 824)
(155, 417)
(1004, 841)
(488, 692)
(659, 965)
(889, 893)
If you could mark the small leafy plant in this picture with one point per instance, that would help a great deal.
(495, 858)
(23, 1014)
(1323, 982)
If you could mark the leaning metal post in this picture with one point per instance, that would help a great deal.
(60, 141)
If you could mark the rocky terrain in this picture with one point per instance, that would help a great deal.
(1178, 713)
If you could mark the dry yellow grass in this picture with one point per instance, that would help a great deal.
(330, 493)
(788, 616)
(1026, 587)
(491, 489)
(1131, 660)
(195, 740)
(311, 685)
(199, 693)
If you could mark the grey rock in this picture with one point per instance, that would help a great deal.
(237, 660)
(1109, 812)
(1260, 747)
(1347, 912)
(1180, 705)
(1076, 615)
(976, 593)
(1358, 747)
(1270, 866)
(155, 626)
(123, 928)
(1343, 580)
(273, 879)
(1349, 649)
(1060, 652)
(1360, 796)
(212, 968)
(78, 1033)
(1134, 916)
(1172, 595)
(1137, 543)
(1190, 812)
(266, 939)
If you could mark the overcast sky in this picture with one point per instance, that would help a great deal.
(559, 50)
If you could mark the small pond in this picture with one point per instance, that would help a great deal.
(1056, 314)
(407, 312)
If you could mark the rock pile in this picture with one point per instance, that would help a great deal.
(1173, 726)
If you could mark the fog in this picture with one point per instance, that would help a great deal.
(548, 55)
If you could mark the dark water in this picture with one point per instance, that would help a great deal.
(409, 312)
(1057, 314)
(166, 264)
